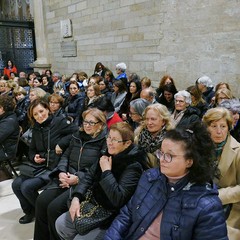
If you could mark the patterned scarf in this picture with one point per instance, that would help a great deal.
(149, 143)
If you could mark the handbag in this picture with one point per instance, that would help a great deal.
(27, 137)
(92, 215)
(29, 169)
(32, 169)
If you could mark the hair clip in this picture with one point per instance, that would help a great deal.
(189, 130)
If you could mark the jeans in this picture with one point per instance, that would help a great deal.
(26, 190)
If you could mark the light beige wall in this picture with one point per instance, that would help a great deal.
(185, 39)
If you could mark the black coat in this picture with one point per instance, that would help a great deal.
(74, 106)
(60, 130)
(190, 116)
(21, 112)
(113, 188)
(82, 153)
(9, 132)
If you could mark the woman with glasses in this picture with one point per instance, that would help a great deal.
(56, 103)
(184, 114)
(85, 149)
(219, 122)
(50, 138)
(177, 200)
(113, 181)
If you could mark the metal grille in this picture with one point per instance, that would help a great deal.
(18, 44)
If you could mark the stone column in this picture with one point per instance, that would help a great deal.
(42, 62)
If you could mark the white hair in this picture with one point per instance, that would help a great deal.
(185, 94)
(121, 66)
(205, 80)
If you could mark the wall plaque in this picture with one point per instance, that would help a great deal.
(69, 49)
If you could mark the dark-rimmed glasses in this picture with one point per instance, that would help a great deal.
(166, 156)
(90, 123)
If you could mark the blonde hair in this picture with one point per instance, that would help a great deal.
(215, 114)
(99, 115)
(226, 92)
(162, 112)
(40, 93)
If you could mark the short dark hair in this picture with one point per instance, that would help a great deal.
(7, 103)
(200, 148)
(105, 105)
(120, 84)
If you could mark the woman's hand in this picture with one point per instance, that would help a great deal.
(105, 163)
(38, 159)
(74, 209)
(67, 180)
(58, 150)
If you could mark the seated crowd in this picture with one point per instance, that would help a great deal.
(156, 164)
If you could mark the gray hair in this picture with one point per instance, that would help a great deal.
(122, 66)
(233, 105)
(185, 94)
(205, 80)
(139, 105)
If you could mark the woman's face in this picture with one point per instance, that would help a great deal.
(218, 130)
(90, 124)
(133, 88)
(115, 142)
(19, 96)
(134, 115)
(32, 96)
(36, 83)
(115, 88)
(154, 121)
(2, 87)
(54, 105)
(235, 118)
(180, 103)
(107, 76)
(178, 166)
(92, 81)
(44, 80)
(40, 114)
(102, 85)
(168, 81)
(90, 92)
(168, 96)
(9, 63)
(73, 89)
(221, 97)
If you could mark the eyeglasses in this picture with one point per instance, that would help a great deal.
(90, 123)
(114, 140)
(179, 101)
(166, 156)
(133, 113)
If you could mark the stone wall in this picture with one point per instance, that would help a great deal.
(185, 39)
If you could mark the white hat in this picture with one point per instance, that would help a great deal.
(121, 66)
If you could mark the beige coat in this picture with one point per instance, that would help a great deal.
(229, 183)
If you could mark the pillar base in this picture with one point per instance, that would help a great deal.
(40, 67)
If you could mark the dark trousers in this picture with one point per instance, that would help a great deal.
(26, 190)
(51, 203)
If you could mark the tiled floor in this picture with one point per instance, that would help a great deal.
(10, 212)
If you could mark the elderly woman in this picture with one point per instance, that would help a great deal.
(233, 105)
(137, 108)
(113, 181)
(150, 134)
(219, 122)
(184, 115)
(52, 202)
(221, 95)
(9, 128)
(50, 138)
(179, 201)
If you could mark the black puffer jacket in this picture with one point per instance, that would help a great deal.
(113, 188)
(190, 116)
(9, 131)
(60, 130)
(82, 153)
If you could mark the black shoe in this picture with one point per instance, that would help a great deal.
(26, 219)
